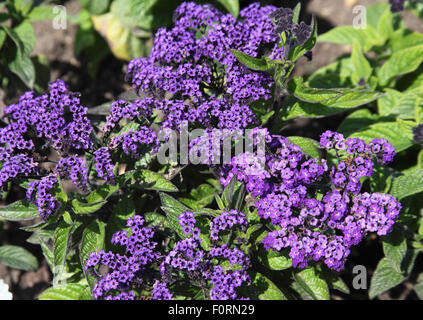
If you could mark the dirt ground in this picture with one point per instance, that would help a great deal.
(57, 46)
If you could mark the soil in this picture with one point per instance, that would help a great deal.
(57, 46)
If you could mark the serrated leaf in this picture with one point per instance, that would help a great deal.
(384, 278)
(401, 62)
(311, 282)
(19, 211)
(69, 291)
(151, 180)
(18, 258)
(251, 62)
(92, 240)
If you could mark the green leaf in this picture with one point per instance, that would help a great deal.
(367, 38)
(395, 249)
(384, 278)
(122, 42)
(311, 95)
(356, 120)
(335, 75)
(232, 6)
(3, 37)
(392, 131)
(307, 145)
(62, 236)
(418, 287)
(277, 260)
(267, 289)
(297, 11)
(95, 7)
(134, 13)
(151, 180)
(312, 282)
(23, 67)
(405, 38)
(26, 34)
(348, 100)
(362, 67)
(69, 291)
(92, 240)
(173, 208)
(375, 12)
(251, 62)
(407, 184)
(385, 25)
(401, 62)
(200, 197)
(86, 208)
(19, 211)
(18, 258)
(39, 13)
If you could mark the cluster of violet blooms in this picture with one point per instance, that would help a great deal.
(192, 62)
(200, 267)
(398, 5)
(57, 121)
(318, 212)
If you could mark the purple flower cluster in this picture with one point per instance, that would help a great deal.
(19, 165)
(129, 270)
(56, 116)
(193, 64)
(188, 257)
(104, 165)
(318, 212)
(121, 109)
(137, 143)
(200, 265)
(283, 19)
(74, 168)
(358, 162)
(40, 193)
(226, 220)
